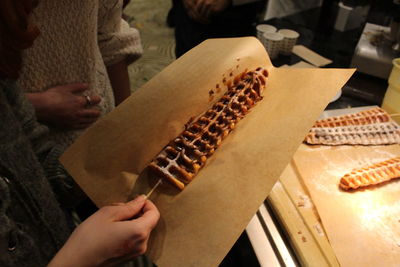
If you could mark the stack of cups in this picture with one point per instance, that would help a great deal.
(272, 43)
(289, 40)
(281, 42)
(264, 28)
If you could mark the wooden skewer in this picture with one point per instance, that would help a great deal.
(154, 188)
(394, 115)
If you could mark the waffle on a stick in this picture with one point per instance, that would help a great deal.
(369, 127)
(185, 155)
(374, 174)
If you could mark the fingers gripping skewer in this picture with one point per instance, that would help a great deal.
(154, 188)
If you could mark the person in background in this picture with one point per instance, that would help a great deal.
(77, 69)
(34, 230)
(198, 20)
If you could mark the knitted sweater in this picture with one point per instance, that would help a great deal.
(32, 225)
(78, 40)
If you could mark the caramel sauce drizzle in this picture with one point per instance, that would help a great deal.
(184, 156)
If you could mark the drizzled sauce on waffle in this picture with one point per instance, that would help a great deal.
(184, 156)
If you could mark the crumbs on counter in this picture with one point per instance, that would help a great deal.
(304, 202)
(303, 238)
(319, 229)
(301, 203)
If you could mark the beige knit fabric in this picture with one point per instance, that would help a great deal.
(79, 38)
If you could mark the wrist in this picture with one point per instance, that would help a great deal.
(71, 256)
(39, 101)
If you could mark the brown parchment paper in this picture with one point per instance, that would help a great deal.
(200, 224)
(363, 226)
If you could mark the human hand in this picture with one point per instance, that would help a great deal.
(190, 6)
(209, 8)
(112, 235)
(202, 11)
(64, 107)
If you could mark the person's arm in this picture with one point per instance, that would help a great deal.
(119, 78)
(65, 107)
(112, 235)
(119, 45)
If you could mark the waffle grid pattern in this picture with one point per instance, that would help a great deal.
(370, 116)
(370, 127)
(374, 174)
(184, 156)
(372, 134)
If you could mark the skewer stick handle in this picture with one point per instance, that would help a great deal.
(154, 188)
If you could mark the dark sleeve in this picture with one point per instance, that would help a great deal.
(66, 190)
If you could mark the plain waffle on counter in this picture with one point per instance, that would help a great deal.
(371, 175)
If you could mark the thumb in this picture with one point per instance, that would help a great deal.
(130, 209)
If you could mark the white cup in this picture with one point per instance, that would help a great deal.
(289, 40)
(273, 42)
(264, 28)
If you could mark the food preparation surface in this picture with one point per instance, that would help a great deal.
(308, 189)
(363, 225)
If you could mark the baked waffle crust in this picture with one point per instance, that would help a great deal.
(373, 115)
(374, 174)
(369, 127)
(184, 156)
